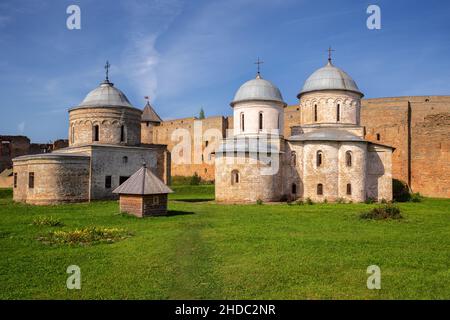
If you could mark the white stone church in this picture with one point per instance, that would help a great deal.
(326, 157)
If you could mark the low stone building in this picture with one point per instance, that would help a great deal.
(325, 157)
(104, 151)
(143, 194)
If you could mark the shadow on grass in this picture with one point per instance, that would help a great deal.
(192, 200)
(171, 213)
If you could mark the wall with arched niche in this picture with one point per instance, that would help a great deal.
(333, 108)
(119, 126)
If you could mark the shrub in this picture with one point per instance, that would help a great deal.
(6, 193)
(300, 202)
(259, 202)
(386, 211)
(400, 191)
(370, 201)
(340, 200)
(309, 201)
(180, 180)
(325, 201)
(383, 201)
(47, 221)
(416, 197)
(195, 180)
(85, 236)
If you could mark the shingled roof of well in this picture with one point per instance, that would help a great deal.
(143, 182)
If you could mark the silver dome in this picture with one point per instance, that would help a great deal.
(106, 95)
(329, 78)
(258, 89)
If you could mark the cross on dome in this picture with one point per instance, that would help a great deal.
(258, 63)
(329, 53)
(107, 66)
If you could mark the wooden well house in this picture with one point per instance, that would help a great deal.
(143, 194)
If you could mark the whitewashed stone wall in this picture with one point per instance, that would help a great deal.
(379, 172)
(273, 118)
(252, 184)
(327, 101)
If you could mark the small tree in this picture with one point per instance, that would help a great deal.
(201, 114)
(195, 180)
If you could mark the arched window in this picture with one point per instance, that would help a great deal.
(315, 113)
(261, 120)
(348, 158)
(125, 159)
(96, 133)
(234, 177)
(294, 188)
(338, 112)
(122, 133)
(293, 158)
(319, 158)
(349, 189)
(242, 122)
(320, 189)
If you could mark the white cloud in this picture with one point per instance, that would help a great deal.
(21, 127)
(148, 20)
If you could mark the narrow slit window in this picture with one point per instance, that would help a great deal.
(338, 113)
(242, 122)
(96, 133)
(294, 188)
(234, 177)
(31, 180)
(319, 158)
(122, 133)
(261, 120)
(320, 189)
(349, 189)
(108, 180)
(348, 158)
(315, 113)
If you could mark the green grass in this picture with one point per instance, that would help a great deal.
(209, 251)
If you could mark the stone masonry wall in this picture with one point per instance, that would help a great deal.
(57, 179)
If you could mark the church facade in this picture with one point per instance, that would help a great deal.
(324, 158)
(104, 150)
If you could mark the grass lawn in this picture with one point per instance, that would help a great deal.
(210, 251)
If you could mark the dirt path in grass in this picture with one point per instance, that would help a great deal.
(193, 270)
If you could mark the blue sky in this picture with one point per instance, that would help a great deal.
(191, 54)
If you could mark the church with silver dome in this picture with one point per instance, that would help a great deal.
(105, 149)
(325, 158)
